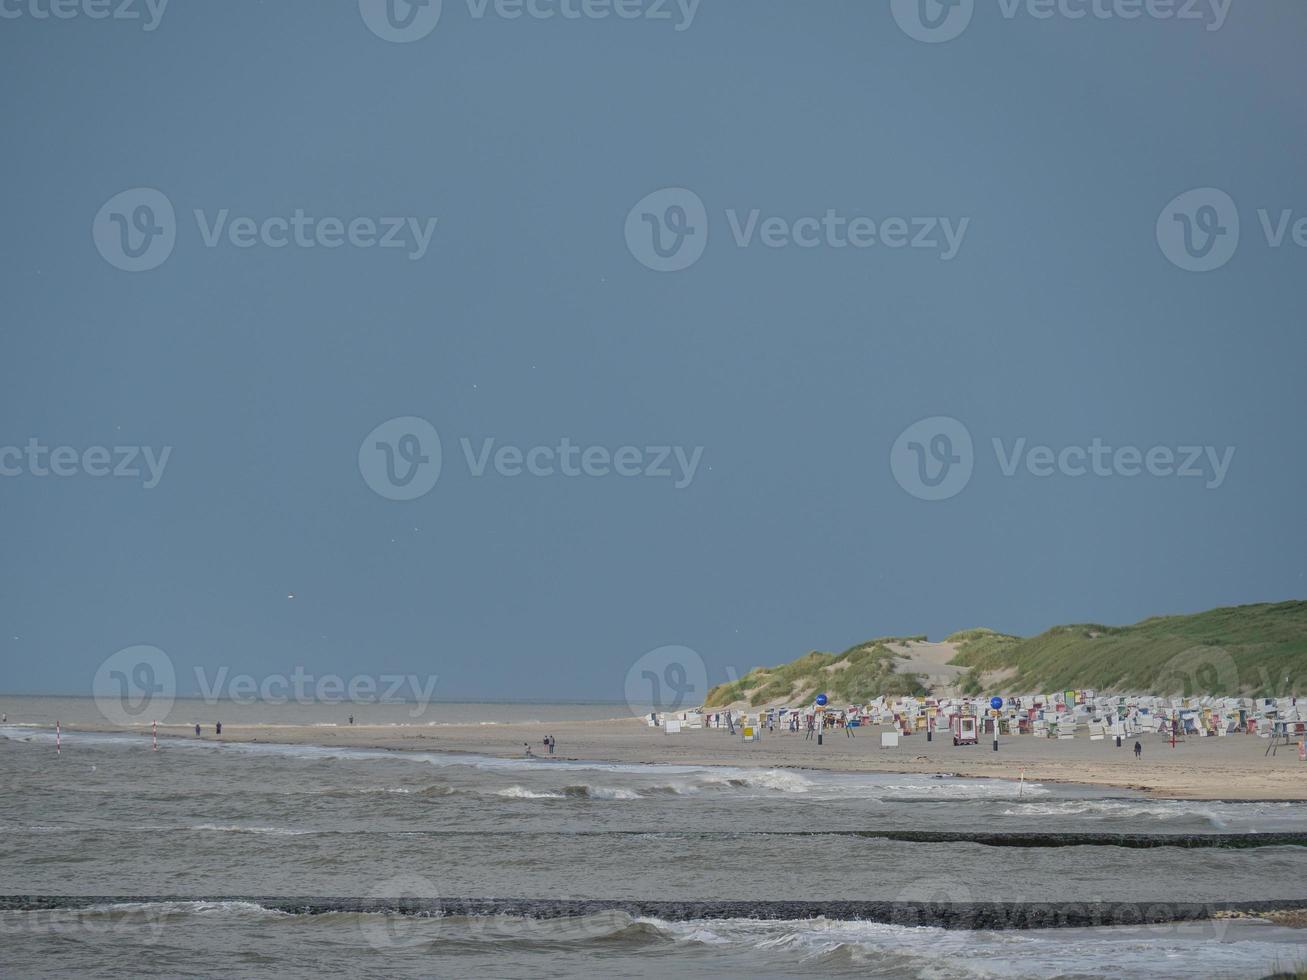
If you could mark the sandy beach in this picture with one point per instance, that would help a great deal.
(1234, 767)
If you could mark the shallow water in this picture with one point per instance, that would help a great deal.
(200, 820)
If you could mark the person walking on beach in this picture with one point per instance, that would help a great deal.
(197, 730)
(848, 726)
(529, 753)
(217, 728)
(1139, 750)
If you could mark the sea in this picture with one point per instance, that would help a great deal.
(233, 860)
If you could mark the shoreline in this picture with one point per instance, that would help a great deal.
(1234, 768)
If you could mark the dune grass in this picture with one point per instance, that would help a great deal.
(858, 674)
(1254, 650)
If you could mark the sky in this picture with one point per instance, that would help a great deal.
(511, 350)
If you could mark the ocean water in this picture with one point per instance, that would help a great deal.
(173, 850)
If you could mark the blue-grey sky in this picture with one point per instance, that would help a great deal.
(1064, 316)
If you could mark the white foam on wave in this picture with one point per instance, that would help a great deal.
(1218, 815)
(238, 829)
(778, 780)
(1248, 948)
(869, 785)
(604, 793)
(581, 791)
(522, 793)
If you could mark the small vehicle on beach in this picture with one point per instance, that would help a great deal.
(964, 730)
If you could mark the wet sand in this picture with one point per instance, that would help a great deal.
(1234, 767)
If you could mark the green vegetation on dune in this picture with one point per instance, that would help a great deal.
(1237, 649)
(1256, 649)
(979, 647)
(858, 674)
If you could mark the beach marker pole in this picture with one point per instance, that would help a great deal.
(58, 750)
(156, 736)
(1021, 787)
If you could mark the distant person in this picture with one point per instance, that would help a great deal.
(351, 719)
(218, 728)
(553, 743)
(197, 731)
(848, 727)
(1139, 750)
(529, 753)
